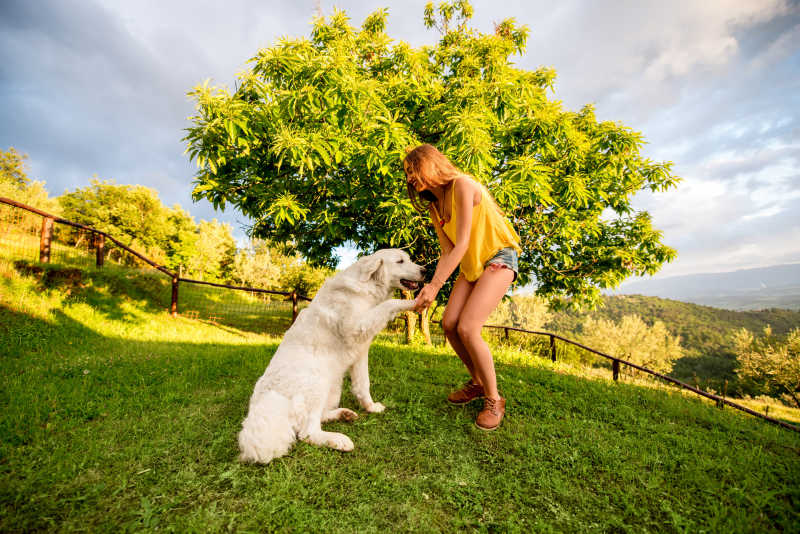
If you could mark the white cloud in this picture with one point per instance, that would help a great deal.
(703, 34)
(769, 211)
(637, 57)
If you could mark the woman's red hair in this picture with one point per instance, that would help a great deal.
(431, 167)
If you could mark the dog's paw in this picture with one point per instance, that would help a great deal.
(339, 414)
(375, 407)
(340, 442)
(346, 415)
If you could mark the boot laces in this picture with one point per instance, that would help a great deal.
(491, 405)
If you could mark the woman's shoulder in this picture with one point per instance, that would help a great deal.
(466, 184)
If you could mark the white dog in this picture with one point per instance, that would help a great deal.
(302, 385)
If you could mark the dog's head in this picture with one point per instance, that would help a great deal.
(391, 268)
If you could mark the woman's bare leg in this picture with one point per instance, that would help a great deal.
(458, 297)
(481, 301)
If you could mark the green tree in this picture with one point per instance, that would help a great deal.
(181, 240)
(527, 311)
(12, 168)
(214, 253)
(310, 145)
(131, 213)
(254, 265)
(135, 215)
(264, 265)
(770, 364)
(16, 185)
(633, 340)
(302, 277)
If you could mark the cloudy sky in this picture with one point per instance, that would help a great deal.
(99, 88)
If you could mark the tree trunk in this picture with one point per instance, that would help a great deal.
(410, 317)
(794, 398)
(411, 320)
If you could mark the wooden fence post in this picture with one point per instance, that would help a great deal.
(506, 333)
(44, 242)
(721, 403)
(553, 348)
(425, 325)
(411, 321)
(294, 306)
(615, 369)
(100, 248)
(174, 307)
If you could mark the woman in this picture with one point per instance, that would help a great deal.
(474, 233)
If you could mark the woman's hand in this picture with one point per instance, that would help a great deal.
(425, 297)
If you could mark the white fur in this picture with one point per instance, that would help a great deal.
(302, 385)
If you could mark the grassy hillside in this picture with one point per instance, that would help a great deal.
(706, 332)
(116, 417)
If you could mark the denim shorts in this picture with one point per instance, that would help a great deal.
(505, 259)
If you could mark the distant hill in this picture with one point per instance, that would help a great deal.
(706, 332)
(747, 289)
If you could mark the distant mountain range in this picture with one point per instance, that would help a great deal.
(747, 289)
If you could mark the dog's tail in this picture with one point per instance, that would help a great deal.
(266, 432)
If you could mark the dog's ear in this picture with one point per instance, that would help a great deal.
(374, 269)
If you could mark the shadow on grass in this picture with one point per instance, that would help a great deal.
(24, 335)
(151, 291)
(101, 289)
(73, 398)
(58, 370)
(252, 312)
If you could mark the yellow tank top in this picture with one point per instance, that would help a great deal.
(489, 233)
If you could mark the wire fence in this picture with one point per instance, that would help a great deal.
(245, 308)
(30, 238)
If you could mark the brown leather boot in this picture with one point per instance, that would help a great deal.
(493, 411)
(468, 393)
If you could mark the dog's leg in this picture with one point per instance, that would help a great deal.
(359, 378)
(334, 395)
(313, 433)
(334, 440)
(332, 411)
(363, 331)
(374, 320)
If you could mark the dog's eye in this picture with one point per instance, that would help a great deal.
(400, 261)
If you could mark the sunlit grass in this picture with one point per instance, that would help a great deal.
(115, 416)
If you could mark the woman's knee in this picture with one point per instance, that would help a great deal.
(468, 329)
(450, 325)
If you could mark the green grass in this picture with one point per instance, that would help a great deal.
(116, 417)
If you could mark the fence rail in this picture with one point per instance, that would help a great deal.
(616, 362)
(97, 245)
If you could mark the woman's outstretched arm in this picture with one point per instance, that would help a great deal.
(464, 191)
